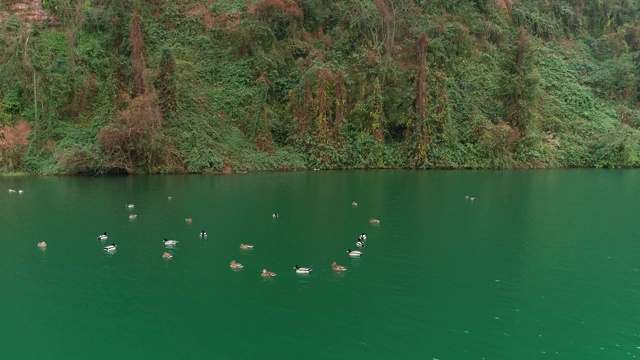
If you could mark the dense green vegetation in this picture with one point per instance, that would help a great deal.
(163, 86)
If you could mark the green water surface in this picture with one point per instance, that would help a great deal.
(543, 264)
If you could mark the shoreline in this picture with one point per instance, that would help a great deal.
(19, 174)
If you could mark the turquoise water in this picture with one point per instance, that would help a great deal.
(543, 264)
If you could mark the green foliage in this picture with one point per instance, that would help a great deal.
(619, 148)
(609, 46)
(520, 82)
(12, 101)
(12, 24)
(91, 52)
(606, 16)
(40, 161)
(614, 78)
(450, 45)
(51, 60)
(534, 21)
(277, 85)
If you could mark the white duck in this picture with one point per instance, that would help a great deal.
(354, 253)
(110, 248)
(169, 242)
(302, 270)
(360, 243)
(203, 234)
(103, 237)
(130, 206)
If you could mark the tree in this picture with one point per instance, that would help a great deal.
(520, 83)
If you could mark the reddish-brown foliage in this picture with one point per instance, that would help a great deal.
(13, 139)
(323, 76)
(136, 140)
(12, 136)
(441, 106)
(421, 82)
(287, 8)
(303, 109)
(340, 99)
(138, 69)
(503, 4)
(510, 134)
(388, 27)
(308, 37)
(164, 86)
(264, 140)
(82, 99)
(325, 39)
(206, 16)
(383, 9)
(372, 57)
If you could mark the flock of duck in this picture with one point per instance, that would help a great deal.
(168, 243)
(306, 270)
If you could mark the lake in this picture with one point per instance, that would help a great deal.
(543, 264)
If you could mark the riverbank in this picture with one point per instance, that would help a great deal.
(273, 85)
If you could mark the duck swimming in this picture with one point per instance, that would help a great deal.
(110, 248)
(133, 216)
(167, 255)
(302, 270)
(362, 237)
(360, 243)
(169, 242)
(103, 237)
(275, 215)
(235, 265)
(374, 221)
(246, 247)
(354, 253)
(337, 267)
(188, 220)
(266, 273)
(130, 206)
(42, 244)
(203, 234)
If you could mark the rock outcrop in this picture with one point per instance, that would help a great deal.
(29, 11)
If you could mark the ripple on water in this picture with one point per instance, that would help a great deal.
(533, 269)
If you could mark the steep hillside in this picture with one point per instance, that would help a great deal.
(166, 86)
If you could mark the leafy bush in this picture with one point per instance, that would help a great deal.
(12, 102)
